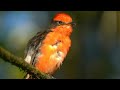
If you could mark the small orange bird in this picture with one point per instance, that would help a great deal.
(46, 50)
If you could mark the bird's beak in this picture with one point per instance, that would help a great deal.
(73, 24)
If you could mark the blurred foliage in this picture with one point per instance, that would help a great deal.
(94, 52)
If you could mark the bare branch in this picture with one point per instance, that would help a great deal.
(19, 62)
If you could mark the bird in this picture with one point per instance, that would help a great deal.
(47, 50)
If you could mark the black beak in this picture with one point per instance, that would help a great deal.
(73, 24)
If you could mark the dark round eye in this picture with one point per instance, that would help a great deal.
(59, 22)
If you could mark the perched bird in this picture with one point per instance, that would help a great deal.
(47, 50)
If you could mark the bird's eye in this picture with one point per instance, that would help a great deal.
(59, 22)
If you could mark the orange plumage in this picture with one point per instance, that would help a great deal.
(54, 45)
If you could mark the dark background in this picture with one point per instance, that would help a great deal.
(95, 50)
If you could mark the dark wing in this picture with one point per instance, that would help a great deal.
(34, 44)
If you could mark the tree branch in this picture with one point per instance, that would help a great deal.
(19, 62)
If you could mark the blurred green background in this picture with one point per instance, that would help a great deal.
(95, 50)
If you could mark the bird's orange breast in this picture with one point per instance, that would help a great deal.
(53, 51)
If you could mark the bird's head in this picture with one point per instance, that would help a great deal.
(62, 23)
